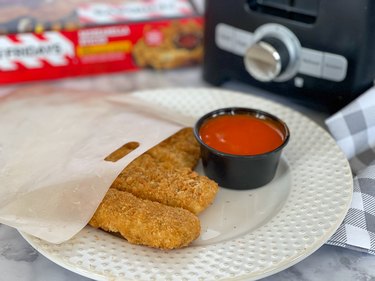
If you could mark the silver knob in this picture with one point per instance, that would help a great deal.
(274, 54)
(263, 61)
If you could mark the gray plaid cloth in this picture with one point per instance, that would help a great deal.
(353, 127)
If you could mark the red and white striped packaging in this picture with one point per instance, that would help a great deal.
(81, 37)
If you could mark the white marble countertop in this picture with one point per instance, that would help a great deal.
(20, 262)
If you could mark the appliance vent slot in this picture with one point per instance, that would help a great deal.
(298, 10)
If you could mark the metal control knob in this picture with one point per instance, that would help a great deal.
(267, 59)
(274, 54)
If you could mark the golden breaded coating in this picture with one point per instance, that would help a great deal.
(122, 151)
(145, 222)
(183, 187)
(164, 174)
(180, 150)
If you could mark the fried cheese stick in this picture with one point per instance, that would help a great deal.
(174, 187)
(180, 150)
(144, 222)
(163, 174)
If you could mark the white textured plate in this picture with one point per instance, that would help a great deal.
(246, 235)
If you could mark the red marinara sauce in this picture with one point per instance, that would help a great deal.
(241, 134)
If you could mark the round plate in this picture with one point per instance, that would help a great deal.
(246, 235)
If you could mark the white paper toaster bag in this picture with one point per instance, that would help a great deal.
(52, 148)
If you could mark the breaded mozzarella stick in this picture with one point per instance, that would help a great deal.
(145, 222)
(164, 174)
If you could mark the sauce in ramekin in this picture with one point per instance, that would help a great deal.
(241, 134)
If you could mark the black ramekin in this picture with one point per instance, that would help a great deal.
(240, 171)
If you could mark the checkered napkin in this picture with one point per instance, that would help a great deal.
(354, 130)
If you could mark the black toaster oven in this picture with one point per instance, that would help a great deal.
(320, 52)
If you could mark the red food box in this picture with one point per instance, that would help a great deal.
(50, 39)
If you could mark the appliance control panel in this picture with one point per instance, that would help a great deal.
(273, 53)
